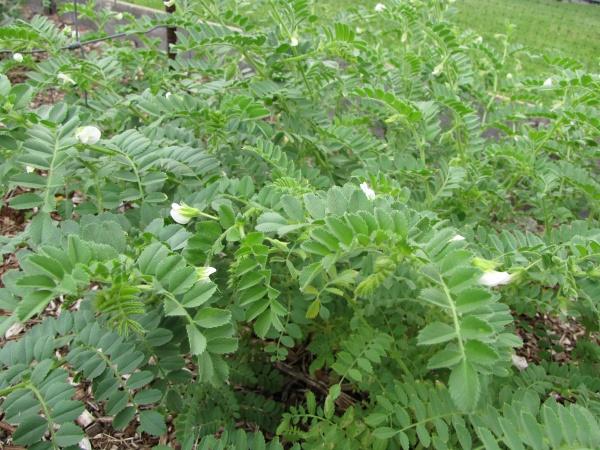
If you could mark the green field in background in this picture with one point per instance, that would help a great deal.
(158, 4)
(545, 25)
(542, 25)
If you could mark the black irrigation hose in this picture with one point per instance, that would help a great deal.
(76, 45)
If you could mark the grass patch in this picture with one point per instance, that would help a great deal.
(542, 25)
(157, 4)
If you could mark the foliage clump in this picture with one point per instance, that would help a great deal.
(302, 232)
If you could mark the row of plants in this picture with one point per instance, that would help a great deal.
(290, 202)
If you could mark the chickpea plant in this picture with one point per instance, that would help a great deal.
(311, 229)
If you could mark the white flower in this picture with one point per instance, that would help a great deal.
(368, 191)
(404, 37)
(169, 3)
(457, 238)
(205, 272)
(359, 30)
(182, 213)
(294, 41)
(65, 78)
(168, 95)
(519, 362)
(29, 169)
(88, 135)
(509, 76)
(548, 83)
(478, 40)
(18, 57)
(494, 278)
(379, 7)
(119, 16)
(437, 70)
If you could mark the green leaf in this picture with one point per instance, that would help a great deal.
(30, 431)
(444, 359)
(34, 303)
(263, 323)
(329, 407)
(478, 352)
(533, 431)
(226, 215)
(153, 423)
(340, 230)
(199, 294)
(223, 345)
(41, 370)
(313, 309)
(315, 206)
(384, 433)
(139, 379)
(4, 85)
(48, 265)
(26, 201)
(435, 297)
(293, 208)
(471, 299)
(196, 338)
(123, 418)
(375, 419)
(436, 333)
(212, 317)
(464, 386)
(67, 410)
(472, 327)
(308, 273)
(68, 434)
(147, 396)
(37, 281)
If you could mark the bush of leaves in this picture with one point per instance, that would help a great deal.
(310, 229)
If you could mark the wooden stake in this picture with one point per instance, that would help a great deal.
(171, 33)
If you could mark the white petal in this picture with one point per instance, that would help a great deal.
(369, 193)
(168, 95)
(178, 217)
(494, 278)
(548, 83)
(205, 272)
(65, 78)
(88, 135)
(294, 41)
(379, 7)
(119, 16)
(457, 238)
(18, 57)
(437, 70)
(29, 169)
